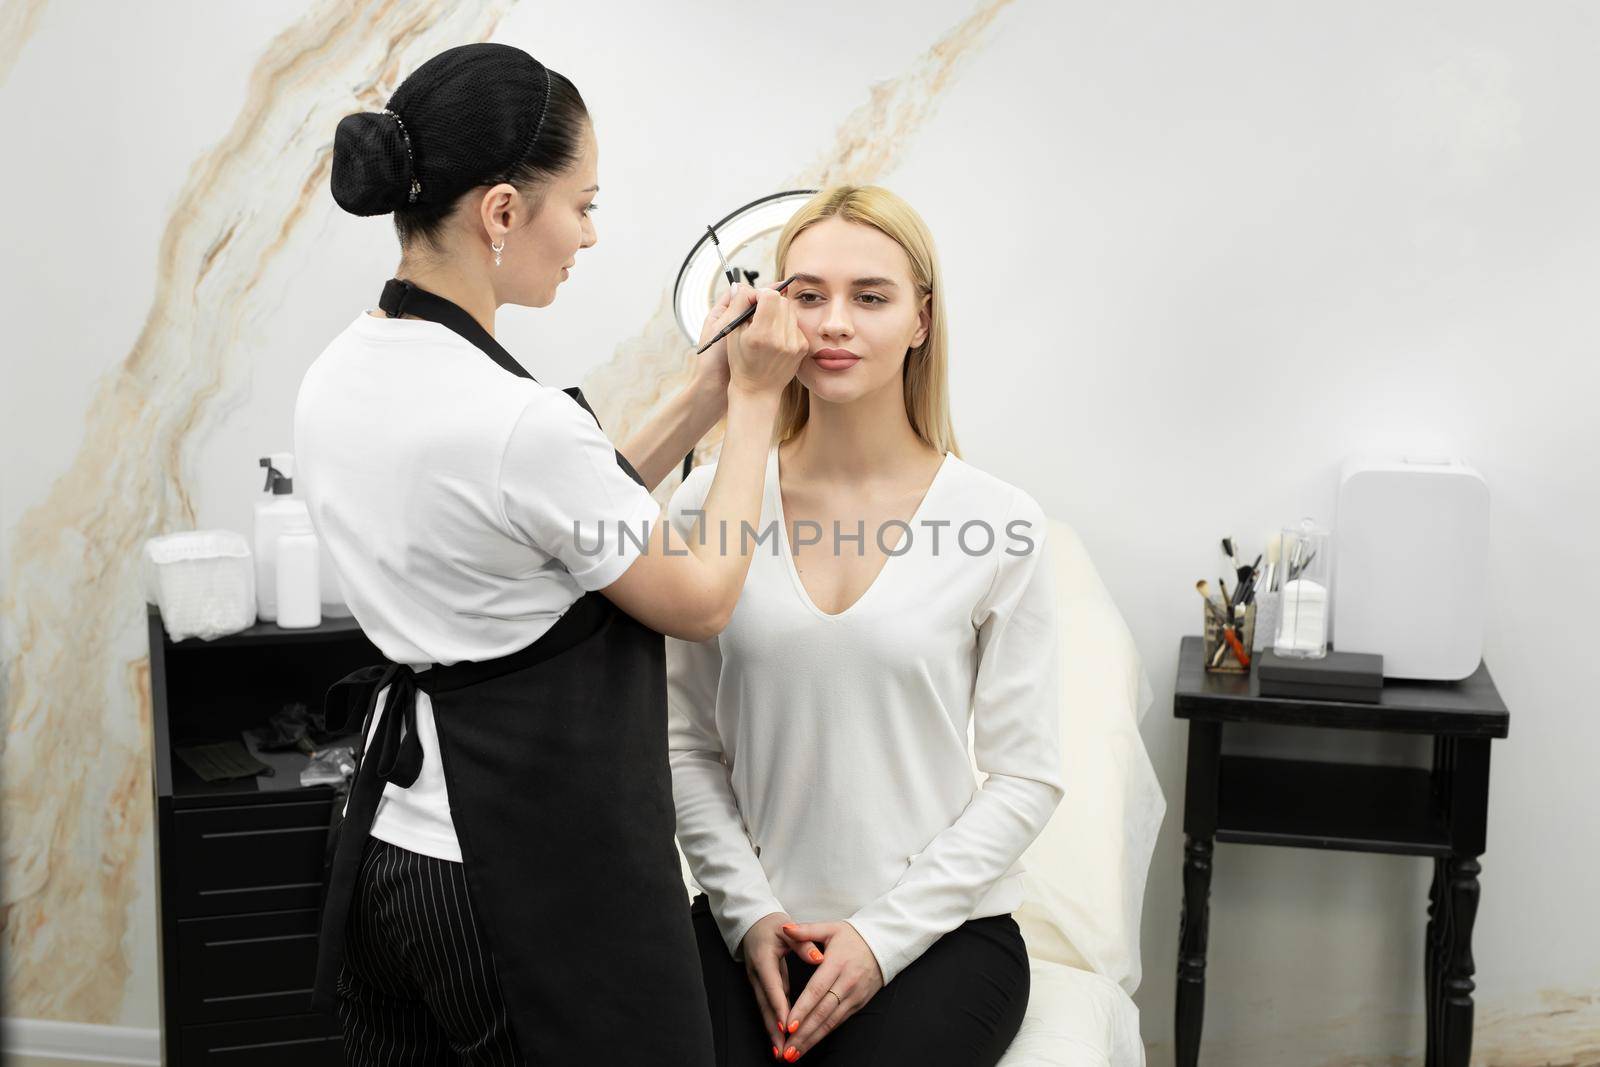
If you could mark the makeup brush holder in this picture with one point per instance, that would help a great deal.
(1220, 656)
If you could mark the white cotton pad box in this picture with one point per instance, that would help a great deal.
(1411, 544)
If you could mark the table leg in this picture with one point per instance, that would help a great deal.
(1433, 950)
(1455, 1024)
(1195, 919)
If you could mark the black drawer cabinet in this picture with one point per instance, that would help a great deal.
(260, 858)
(246, 966)
(239, 864)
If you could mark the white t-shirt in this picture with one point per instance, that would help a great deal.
(820, 763)
(446, 491)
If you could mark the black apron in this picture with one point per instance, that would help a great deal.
(555, 762)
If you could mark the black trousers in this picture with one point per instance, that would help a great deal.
(959, 1004)
(419, 984)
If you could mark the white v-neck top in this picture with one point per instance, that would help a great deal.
(465, 509)
(820, 762)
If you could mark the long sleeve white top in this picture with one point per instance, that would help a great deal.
(820, 763)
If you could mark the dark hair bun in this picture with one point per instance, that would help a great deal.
(469, 114)
(369, 164)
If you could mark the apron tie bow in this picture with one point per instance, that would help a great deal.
(397, 748)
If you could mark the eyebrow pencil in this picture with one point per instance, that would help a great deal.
(743, 317)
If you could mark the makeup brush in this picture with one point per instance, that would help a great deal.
(1241, 575)
(743, 317)
(1203, 587)
(1249, 578)
(1228, 550)
(1274, 552)
(727, 271)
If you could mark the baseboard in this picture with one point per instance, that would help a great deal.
(87, 1042)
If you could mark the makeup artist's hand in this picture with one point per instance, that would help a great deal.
(765, 352)
(765, 963)
(711, 366)
(849, 969)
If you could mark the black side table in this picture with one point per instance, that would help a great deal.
(1439, 812)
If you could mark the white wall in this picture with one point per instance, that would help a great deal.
(1376, 221)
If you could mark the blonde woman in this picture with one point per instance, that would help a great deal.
(857, 881)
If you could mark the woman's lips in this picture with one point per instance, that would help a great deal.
(835, 359)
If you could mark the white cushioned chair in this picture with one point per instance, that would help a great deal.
(1085, 874)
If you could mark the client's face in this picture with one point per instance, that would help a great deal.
(857, 306)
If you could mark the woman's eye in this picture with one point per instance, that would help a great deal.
(871, 298)
(590, 208)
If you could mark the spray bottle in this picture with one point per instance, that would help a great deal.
(273, 512)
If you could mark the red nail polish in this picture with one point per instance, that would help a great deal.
(816, 957)
(793, 1026)
(792, 1055)
(776, 1054)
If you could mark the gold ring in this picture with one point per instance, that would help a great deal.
(837, 998)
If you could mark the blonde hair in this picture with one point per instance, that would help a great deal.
(924, 378)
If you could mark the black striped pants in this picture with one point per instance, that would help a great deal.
(419, 984)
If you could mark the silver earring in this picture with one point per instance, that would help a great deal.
(498, 246)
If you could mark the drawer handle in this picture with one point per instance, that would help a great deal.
(227, 810)
(258, 940)
(258, 833)
(254, 996)
(258, 888)
(278, 1044)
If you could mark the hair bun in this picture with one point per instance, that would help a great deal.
(370, 166)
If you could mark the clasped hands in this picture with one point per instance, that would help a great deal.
(845, 964)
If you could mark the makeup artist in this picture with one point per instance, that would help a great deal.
(503, 886)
